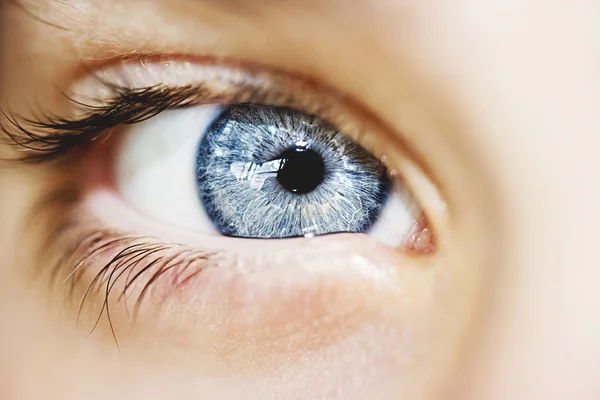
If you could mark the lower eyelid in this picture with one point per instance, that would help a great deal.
(312, 289)
(108, 210)
(111, 210)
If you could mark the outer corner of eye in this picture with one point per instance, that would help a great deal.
(260, 171)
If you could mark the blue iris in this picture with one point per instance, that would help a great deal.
(276, 172)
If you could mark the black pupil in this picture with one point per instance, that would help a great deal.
(301, 170)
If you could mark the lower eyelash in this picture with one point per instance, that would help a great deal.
(134, 264)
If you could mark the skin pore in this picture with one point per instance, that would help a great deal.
(487, 109)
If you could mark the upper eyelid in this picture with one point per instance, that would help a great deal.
(97, 108)
(322, 97)
(99, 52)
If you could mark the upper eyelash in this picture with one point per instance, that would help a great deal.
(48, 136)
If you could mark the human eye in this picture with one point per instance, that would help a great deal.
(179, 168)
(252, 170)
(220, 150)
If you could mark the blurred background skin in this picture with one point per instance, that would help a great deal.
(506, 95)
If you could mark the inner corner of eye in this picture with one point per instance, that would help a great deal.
(260, 171)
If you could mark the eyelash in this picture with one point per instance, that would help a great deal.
(49, 137)
(157, 259)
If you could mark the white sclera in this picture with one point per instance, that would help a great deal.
(397, 218)
(156, 174)
(156, 167)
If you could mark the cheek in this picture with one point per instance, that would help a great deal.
(344, 336)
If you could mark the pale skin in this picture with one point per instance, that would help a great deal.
(494, 104)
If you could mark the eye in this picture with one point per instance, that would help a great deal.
(232, 150)
(175, 171)
(258, 171)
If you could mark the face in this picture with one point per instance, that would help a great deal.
(319, 199)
